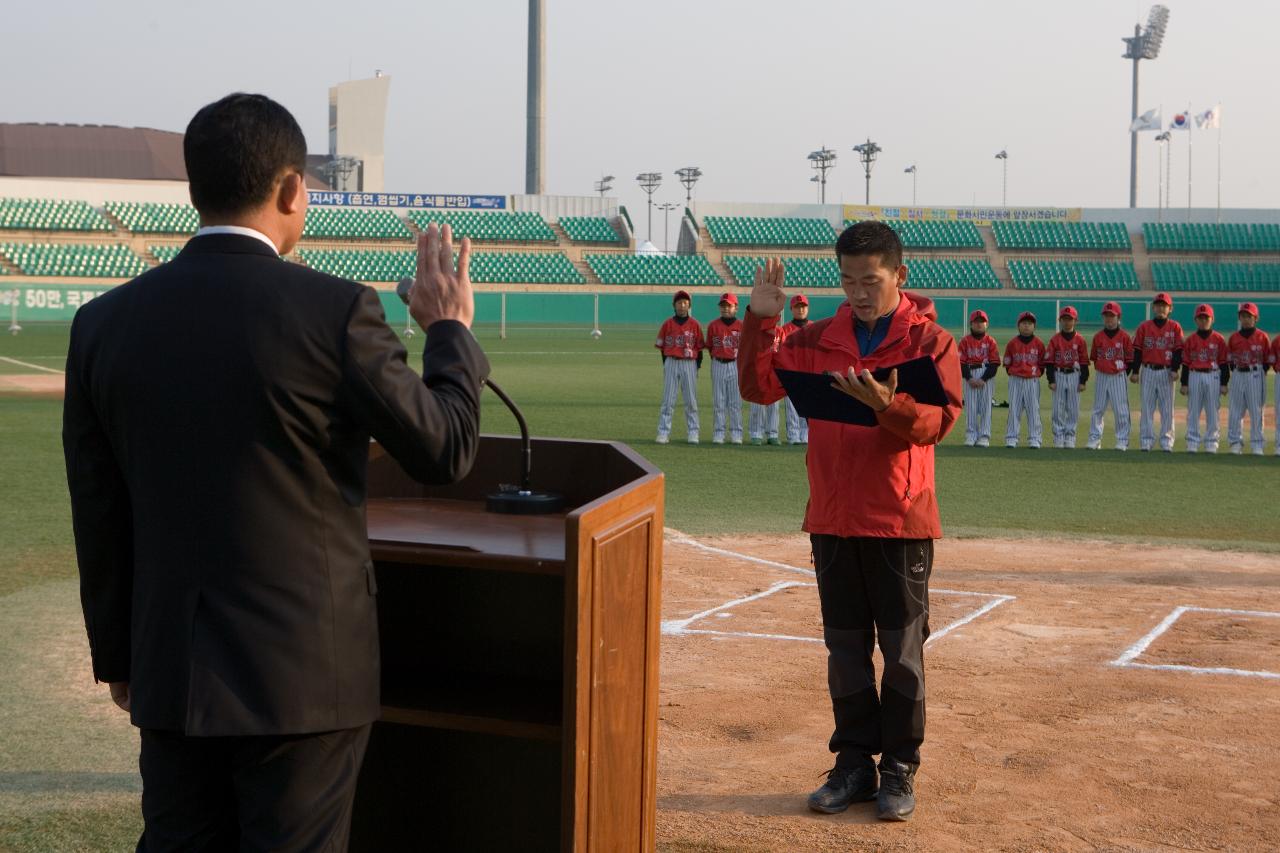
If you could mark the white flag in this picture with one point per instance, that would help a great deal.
(1150, 120)
(1181, 121)
(1210, 118)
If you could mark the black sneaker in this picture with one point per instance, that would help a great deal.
(897, 799)
(844, 785)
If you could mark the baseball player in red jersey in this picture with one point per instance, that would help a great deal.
(797, 427)
(1112, 355)
(1024, 362)
(1247, 349)
(762, 421)
(1204, 380)
(1157, 358)
(1273, 361)
(723, 336)
(1066, 363)
(681, 343)
(979, 362)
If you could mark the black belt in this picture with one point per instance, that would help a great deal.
(1247, 368)
(1155, 367)
(1065, 369)
(1203, 369)
(725, 360)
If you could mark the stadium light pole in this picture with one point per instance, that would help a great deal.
(1162, 139)
(604, 185)
(1168, 163)
(911, 170)
(688, 176)
(823, 160)
(536, 103)
(666, 207)
(1143, 44)
(1003, 156)
(867, 153)
(649, 182)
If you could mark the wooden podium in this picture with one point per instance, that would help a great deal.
(519, 657)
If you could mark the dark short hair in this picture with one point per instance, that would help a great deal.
(871, 238)
(236, 149)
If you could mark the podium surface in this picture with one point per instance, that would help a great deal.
(519, 656)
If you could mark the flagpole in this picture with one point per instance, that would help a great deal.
(1190, 130)
(1218, 119)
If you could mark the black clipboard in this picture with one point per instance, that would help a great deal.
(814, 398)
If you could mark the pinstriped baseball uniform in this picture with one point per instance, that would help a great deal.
(723, 338)
(797, 427)
(762, 421)
(1273, 359)
(1203, 355)
(680, 341)
(977, 353)
(1158, 346)
(1069, 358)
(1023, 361)
(1111, 355)
(1247, 392)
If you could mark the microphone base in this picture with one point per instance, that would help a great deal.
(524, 503)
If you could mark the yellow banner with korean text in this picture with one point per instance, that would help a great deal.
(976, 215)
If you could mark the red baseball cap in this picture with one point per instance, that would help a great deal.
(1111, 308)
(979, 315)
(1068, 311)
(1204, 310)
(1248, 308)
(680, 294)
(1163, 297)
(799, 299)
(1026, 315)
(731, 298)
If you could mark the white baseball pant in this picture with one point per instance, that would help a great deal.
(1157, 392)
(977, 413)
(1066, 408)
(679, 378)
(762, 420)
(1024, 396)
(1275, 421)
(726, 402)
(797, 427)
(1246, 393)
(1110, 390)
(1203, 394)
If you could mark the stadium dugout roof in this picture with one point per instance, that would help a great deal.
(97, 151)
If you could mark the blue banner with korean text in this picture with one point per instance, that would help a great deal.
(427, 201)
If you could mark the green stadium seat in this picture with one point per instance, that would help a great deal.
(922, 273)
(349, 223)
(682, 270)
(1073, 275)
(769, 231)
(1210, 277)
(486, 267)
(589, 229)
(933, 234)
(1211, 237)
(1109, 236)
(489, 227)
(74, 260)
(44, 214)
(164, 254)
(155, 218)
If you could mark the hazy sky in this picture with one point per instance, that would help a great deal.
(743, 89)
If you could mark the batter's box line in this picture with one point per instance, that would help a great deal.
(1129, 658)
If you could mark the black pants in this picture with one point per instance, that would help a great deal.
(278, 793)
(875, 588)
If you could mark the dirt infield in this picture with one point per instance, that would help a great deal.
(1037, 739)
(45, 385)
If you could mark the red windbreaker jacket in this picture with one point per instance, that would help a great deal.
(864, 481)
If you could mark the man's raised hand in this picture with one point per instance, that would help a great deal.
(439, 291)
(767, 296)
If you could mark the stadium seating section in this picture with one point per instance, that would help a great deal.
(685, 270)
(74, 260)
(929, 234)
(489, 227)
(1061, 235)
(164, 254)
(801, 272)
(43, 214)
(1209, 237)
(354, 224)
(589, 229)
(486, 267)
(1073, 275)
(1216, 277)
(151, 218)
(769, 231)
(943, 273)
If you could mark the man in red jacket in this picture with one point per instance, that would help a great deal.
(873, 512)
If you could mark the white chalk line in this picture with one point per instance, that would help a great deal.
(29, 364)
(1128, 658)
(681, 626)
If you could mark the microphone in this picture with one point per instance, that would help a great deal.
(510, 499)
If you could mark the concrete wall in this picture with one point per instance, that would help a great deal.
(97, 193)
(358, 124)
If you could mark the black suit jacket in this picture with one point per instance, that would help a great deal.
(216, 429)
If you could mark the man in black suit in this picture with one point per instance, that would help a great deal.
(216, 427)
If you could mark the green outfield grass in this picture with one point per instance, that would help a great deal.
(68, 758)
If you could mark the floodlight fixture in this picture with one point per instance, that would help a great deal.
(1143, 44)
(604, 185)
(823, 160)
(666, 207)
(867, 153)
(688, 176)
(911, 170)
(649, 182)
(1003, 156)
